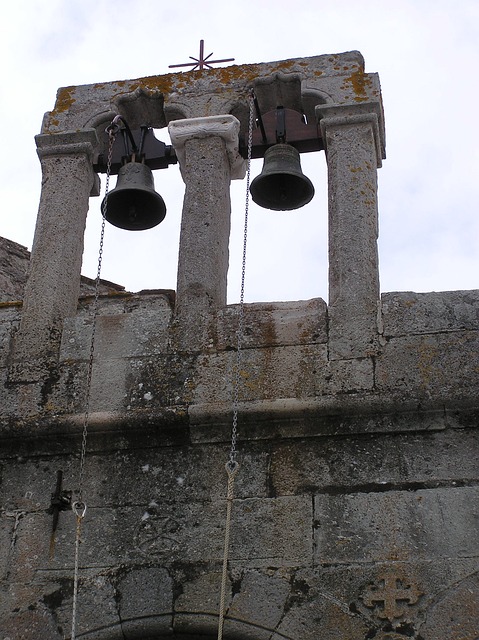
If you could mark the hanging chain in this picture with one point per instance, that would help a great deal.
(79, 506)
(232, 466)
(240, 329)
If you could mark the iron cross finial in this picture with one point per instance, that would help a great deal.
(201, 62)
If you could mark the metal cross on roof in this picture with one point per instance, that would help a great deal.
(201, 62)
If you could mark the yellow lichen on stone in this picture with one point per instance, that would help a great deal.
(65, 99)
(360, 82)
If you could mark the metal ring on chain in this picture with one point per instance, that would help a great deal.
(79, 508)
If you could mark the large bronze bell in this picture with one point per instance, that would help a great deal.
(134, 204)
(281, 185)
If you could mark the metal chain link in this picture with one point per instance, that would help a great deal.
(240, 329)
(79, 506)
(232, 466)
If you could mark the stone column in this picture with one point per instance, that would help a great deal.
(353, 146)
(207, 150)
(53, 284)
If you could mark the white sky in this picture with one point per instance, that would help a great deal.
(425, 51)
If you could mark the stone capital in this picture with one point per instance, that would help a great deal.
(332, 115)
(67, 143)
(226, 127)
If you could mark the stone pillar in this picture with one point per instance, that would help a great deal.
(53, 285)
(353, 150)
(207, 151)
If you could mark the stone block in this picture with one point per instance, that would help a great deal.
(336, 78)
(454, 613)
(353, 331)
(31, 545)
(196, 608)
(345, 376)
(174, 474)
(375, 462)
(122, 330)
(7, 328)
(430, 368)
(97, 608)
(320, 615)
(145, 601)
(254, 603)
(396, 525)
(274, 324)
(7, 525)
(275, 532)
(260, 599)
(407, 312)
(200, 592)
(31, 624)
(278, 372)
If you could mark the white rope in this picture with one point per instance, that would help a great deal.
(232, 466)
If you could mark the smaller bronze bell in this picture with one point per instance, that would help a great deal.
(134, 204)
(281, 185)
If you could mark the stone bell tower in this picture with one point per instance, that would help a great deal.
(354, 510)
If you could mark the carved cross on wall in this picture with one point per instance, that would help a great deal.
(391, 593)
(201, 62)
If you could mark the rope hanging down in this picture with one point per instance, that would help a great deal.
(79, 506)
(232, 466)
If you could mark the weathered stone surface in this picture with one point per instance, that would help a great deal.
(409, 313)
(10, 320)
(145, 593)
(288, 372)
(129, 326)
(33, 625)
(375, 463)
(14, 260)
(8, 520)
(442, 367)
(454, 612)
(53, 287)
(265, 612)
(274, 324)
(352, 140)
(354, 513)
(301, 83)
(382, 527)
(203, 252)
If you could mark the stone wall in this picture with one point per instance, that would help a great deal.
(355, 509)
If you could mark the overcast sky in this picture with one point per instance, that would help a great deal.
(425, 51)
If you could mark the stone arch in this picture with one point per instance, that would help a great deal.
(155, 628)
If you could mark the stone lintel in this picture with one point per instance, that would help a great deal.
(297, 83)
(226, 127)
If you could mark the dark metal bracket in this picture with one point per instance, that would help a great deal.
(282, 126)
(61, 500)
(140, 143)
